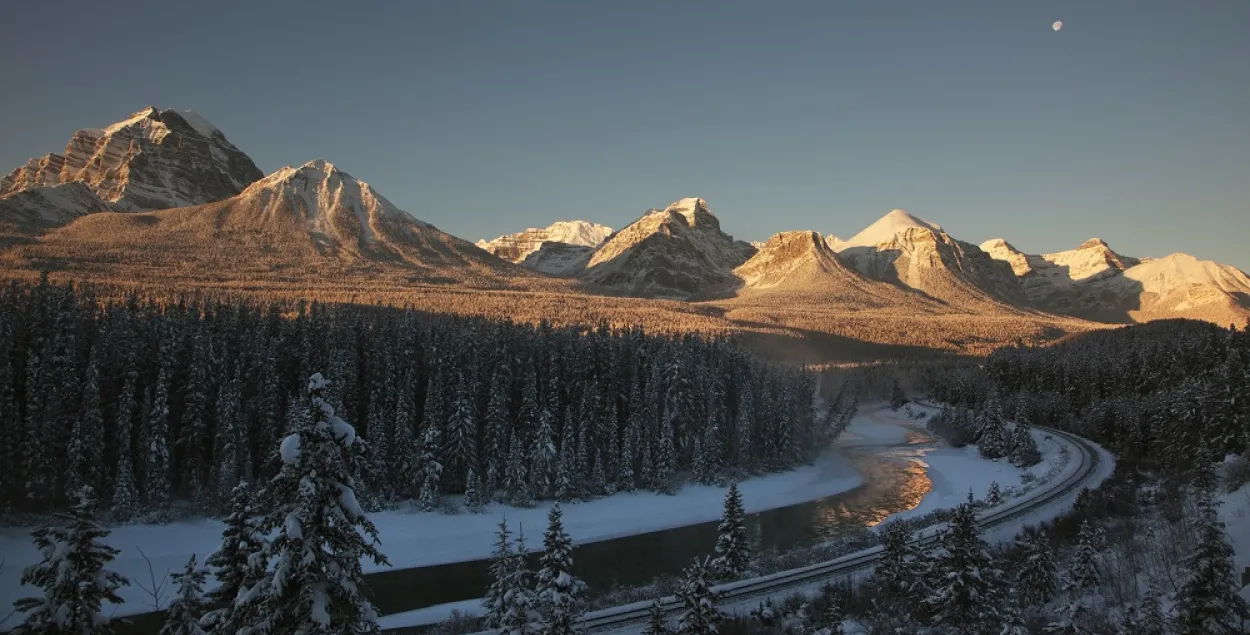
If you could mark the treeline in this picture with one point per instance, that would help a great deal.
(1172, 393)
(159, 404)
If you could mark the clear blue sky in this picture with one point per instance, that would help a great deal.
(1132, 123)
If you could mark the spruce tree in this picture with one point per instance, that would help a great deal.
(1084, 574)
(431, 470)
(833, 616)
(543, 456)
(1208, 601)
(183, 616)
(993, 441)
(1024, 451)
(964, 581)
(473, 498)
(126, 504)
(699, 601)
(72, 575)
(896, 570)
(559, 592)
(316, 584)
(994, 497)
(1037, 577)
(656, 623)
(86, 443)
(158, 483)
(1153, 621)
(239, 563)
(519, 614)
(733, 550)
(501, 564)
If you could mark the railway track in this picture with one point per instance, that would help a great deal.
(743, 591)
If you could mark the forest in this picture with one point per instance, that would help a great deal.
(163, 406)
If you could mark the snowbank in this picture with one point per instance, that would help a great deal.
(1235, 512)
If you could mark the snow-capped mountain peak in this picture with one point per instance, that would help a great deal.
(886, 228)
(153, 159)
(562, 248)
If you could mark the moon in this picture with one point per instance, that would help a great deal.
(1057, 25)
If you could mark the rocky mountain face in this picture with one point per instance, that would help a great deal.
(562, 249)
(295, 222)
(677, 252)
(1094, 282)
(155, 159)
(907, 251)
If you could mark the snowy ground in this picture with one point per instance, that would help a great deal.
(952, 471)
(1235, 512)
(414, 539)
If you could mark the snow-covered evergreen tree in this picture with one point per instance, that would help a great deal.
(239, 563)
(964, 581)
(517, 476)
(189, 605)
(1208, 601)
(461, 452)
(157, 479)
(833, 617)
(86, 443)
(897, 398)
(1024, 451)
(701, 616)
(543, 457)
(519, 616)
(1037, 578)
(72, 575)
(1152, 621)
(316, 584)
(665, 458)
(733, 549)
(993, 441)
(656, 622)
(559, 592)
(744, 424)
(994, 496)
(501, 564)
(126, 504)
(473, 497)
(1084, 574)
(431, 470)
(896, 572)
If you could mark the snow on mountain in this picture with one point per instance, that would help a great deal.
(1095, 282)
(885, 229)
(155, 159)
(520, 246)
(676, 252)
(796, 260)
(902, 249)
(50, 206)
(558, 259)
(294, 222)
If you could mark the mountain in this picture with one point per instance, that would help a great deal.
(1094, 282)
(916, 254)
(296, 223)
(562, 249)
(155, 159)
(677, 252)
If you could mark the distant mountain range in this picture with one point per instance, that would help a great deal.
(165, 189)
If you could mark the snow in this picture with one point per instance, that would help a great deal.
(1235, 512)
(133, 119)
(1180, 270)
(290, 448)
(198, 122)
(886, 228)
(342, 430)
(347, 498)
(294, 530)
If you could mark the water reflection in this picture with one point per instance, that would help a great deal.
(894, 481)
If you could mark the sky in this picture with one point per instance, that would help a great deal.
(1132, 123)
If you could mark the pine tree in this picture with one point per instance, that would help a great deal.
(733, 550)
(72, 575)
(665, 459)
(316, 582)
(1084, 574)
(656, 623)
(194, 442)
(543, 457)
(993, 441)
(964, 581)
(239, 563)
(496, 427)
(833, 617)
(701, 616)
(897, 398)
(501, 565)
(994, 497)
(460, 455)
(125, 492)
(1037, 578)
(86, 444)
(1208, 601)
(896, 571)
(158, 483)
(516, 477)
(431, 471)
(559, 592)
(183, 616)
(231, 441)
(404, 468)
(1024, 451)
(518, 615)
(473, 499)
(1130, 622)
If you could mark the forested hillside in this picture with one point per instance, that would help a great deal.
(164, 406)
